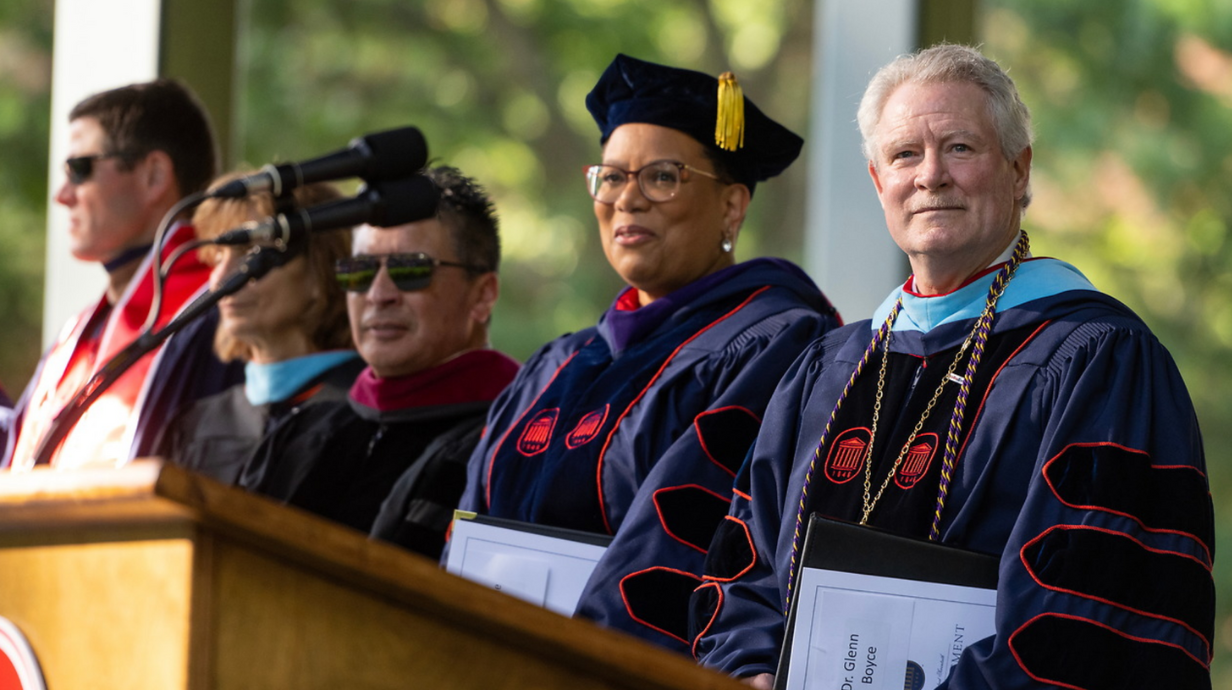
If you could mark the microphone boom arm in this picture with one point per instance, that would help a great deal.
(259, 262)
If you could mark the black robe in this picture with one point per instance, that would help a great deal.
(396, 474)
(391, 459)
(217, 434)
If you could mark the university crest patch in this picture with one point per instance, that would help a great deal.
(587, 428)
(538, 433)
(846, 457)
(917, 461)
(19, 669)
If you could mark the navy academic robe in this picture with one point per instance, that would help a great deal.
(636, 428)
(1080, 465)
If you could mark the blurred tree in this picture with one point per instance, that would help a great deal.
(1133, 165)
(498, 87)
(1133, 178)
(1131, 104)
(25, 106)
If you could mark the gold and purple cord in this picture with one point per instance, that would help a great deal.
(825, 435)
(982, 329)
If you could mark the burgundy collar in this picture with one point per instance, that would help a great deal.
(475, 376)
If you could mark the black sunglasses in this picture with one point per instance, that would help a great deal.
(80, 168)
(409, 272)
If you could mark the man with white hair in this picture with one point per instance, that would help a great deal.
(995, 402)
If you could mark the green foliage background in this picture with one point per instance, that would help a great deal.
(1133, 163)
(25, 123)
(1132, 174)
(498, 87)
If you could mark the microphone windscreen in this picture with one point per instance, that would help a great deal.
(396, 153)
(405, 201)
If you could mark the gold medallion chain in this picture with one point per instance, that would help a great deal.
(868, 456)
(870, 502)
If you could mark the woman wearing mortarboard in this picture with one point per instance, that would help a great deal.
(636, 427)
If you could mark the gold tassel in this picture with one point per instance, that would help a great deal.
(729, 126)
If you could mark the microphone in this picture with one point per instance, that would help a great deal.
(382, 204)
(381, 156)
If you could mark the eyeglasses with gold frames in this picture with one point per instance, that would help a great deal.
(659, 181)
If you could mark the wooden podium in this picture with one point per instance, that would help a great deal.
(153, 577)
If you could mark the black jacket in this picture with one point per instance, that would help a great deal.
(217, 435)
(396, 475)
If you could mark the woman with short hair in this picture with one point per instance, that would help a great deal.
(289, 327)
(636, 427)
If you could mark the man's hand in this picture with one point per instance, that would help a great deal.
(761, 681)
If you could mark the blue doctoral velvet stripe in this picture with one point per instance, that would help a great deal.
(691, 514)
(659, 598)
(727, 435)
(1125, 482)
(1070, 559)
(703, 607)
(1089, 373)
(734, 552)
(1083, 661)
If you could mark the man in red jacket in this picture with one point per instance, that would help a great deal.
(133, 153)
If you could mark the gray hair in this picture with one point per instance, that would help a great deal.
(945, 63)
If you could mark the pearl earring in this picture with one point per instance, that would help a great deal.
(726, 245)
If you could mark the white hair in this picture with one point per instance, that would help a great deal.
(947, 63)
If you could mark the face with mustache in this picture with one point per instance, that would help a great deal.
(950, 196)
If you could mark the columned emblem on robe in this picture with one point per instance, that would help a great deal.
(846, 457)
(538, 433)
(916, 462)
(587, 428)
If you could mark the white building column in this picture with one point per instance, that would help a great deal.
(847, 248)
(103, 44)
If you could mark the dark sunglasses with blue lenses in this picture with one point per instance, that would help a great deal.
(409, 272)
(80, 168)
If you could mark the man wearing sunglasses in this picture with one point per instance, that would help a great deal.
(391, 459)
(133, 153)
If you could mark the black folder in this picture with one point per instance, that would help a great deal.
(533, 528)
(843, 546)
